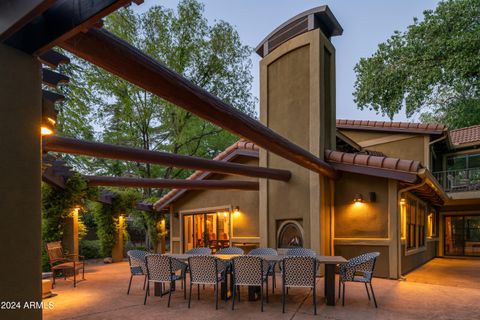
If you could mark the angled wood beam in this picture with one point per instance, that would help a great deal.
(172, 183)
(102, 150)
(61, 20)
(53, 79)
(122, 59)
(52, 97)
(53, 59)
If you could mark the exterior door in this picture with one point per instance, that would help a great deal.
(210, 230)
(462, 235)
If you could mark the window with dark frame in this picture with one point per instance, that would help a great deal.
(416, 215)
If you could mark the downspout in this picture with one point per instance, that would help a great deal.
(399, 223)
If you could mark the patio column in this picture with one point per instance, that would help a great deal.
(70, 235)
(20, 163)
(117, 251)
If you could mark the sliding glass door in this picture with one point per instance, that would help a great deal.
(210, 230)
(462, 235)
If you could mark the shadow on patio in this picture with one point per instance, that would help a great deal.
(103, 296)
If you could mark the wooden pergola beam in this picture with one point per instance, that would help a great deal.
(122, 59)
(102, 150)
(172, 183)
(60, 20)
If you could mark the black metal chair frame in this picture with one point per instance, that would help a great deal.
(134, 273)
(223, 278)
(367, 281)
(271, 271)
(314, 284)
(173, 277)
(263, 275)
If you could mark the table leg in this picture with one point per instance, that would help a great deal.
(157, 289)
(224, 287)
(330, 284)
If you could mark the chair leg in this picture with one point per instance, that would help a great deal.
(190, 294)
(373, 295)
(129, 284)
(238, 293)
(283, 298)
(83, 271)
(198, 292)
(274, 284)
(170, 293)
(146, 291)
(184, 281)
(343, 293)
(53, 280)
(314, 299)
(261, 293)
(216, 296)
(368, 294)
(144, 282)
(233, 296)
(266, 288)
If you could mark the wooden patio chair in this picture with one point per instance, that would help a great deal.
(61, 262)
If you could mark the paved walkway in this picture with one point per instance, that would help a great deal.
(103, 296)
(449, 272)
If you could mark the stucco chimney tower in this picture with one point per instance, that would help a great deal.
(297, 100)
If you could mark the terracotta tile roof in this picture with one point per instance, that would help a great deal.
(408, 127)
(199, 174)
(468, 135)
(379, 162)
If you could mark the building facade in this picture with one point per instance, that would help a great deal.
(406, 190)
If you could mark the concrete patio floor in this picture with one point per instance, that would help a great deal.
(103, 296)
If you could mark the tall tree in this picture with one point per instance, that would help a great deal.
(212, 56)
(431, 69)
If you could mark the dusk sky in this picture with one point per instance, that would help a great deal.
(366, 24)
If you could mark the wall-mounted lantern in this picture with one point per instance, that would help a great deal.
(358, 198)
(49, 118)
(236, 211)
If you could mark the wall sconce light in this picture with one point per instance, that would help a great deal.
(49, 118)
(358, 198)
(225, 214)
(236, 211)
(403, 201)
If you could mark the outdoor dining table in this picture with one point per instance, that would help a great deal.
(329, 261)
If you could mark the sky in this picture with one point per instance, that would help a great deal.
(366, 23)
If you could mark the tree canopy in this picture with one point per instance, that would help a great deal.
(432, 69)
(112, 110)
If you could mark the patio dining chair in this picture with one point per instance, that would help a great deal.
(200, 251)
(358, 269)
(271, 270)
(136, 261)
(64, 262)
(300, 252)
(206, 270)
(249, 271)
(230, 250)
(299, 271)
(163, 269)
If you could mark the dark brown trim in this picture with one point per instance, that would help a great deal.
(53, 59)
(62, 20)
(122, 59)
(53, 79)
(102, 150)
(172, 183)
(377, 172)
(389, 129)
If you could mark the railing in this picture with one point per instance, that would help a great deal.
(459, 180)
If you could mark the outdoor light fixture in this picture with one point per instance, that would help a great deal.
(403, 201)
(358, 198)
(225, 214)
(49, 118)
(236, 211)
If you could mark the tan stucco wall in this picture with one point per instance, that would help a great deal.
(20, 226)
(367, 220)
(382, 263)
(411, 262)
(244, 225)
(411, 147)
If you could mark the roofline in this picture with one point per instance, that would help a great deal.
(234, 154)
(409, 177)
(390, 129)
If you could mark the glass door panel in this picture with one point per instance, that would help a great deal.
(210, 230)
(462, 235)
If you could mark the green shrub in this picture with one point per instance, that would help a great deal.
(90, 249)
